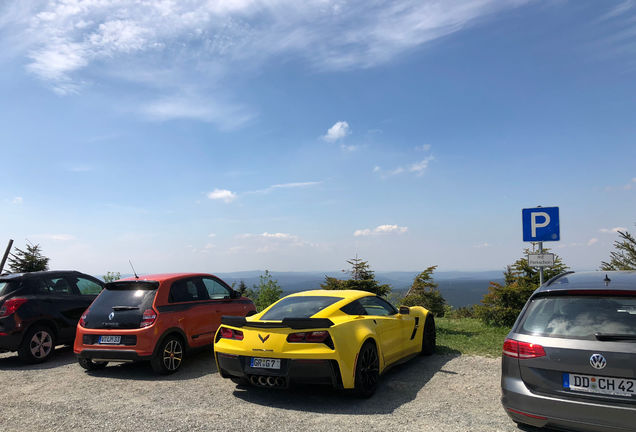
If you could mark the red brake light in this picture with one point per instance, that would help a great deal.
(309, 337)
(228, 333)
(82, 321)
(522, 350)
(316, 336)
(11, 305)
(148, 318)
(296, 337)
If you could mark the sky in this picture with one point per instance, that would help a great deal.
(234, 135)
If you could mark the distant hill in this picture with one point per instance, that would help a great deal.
(458, 288)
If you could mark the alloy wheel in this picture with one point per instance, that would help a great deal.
(41, 344)
(172, 355)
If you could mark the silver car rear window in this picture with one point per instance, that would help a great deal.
(579, 317)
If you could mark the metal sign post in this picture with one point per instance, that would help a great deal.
(541, 224)
(6, 255)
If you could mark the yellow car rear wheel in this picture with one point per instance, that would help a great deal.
(367, 370)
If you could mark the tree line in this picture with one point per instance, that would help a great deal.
(500, 306)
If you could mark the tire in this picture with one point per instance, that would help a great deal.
(38, 345)
(169, 356)
(429, 338)
(91, 365)
(367, 370)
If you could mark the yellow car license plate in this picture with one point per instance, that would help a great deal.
(265, 363)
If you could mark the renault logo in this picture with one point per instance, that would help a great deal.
(263, 339)
(598, 361)
(111, 315)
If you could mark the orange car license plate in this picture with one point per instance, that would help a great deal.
(113, 340)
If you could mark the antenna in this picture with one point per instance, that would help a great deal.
(134, 272)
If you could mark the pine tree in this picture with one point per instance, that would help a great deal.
(624, 257)
(362, 278)
(424, 292)
(27, 261)
(503, 303)
(242, 288)
(111, 276)
(266, 292)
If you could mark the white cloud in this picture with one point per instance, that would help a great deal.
(380, 229)
(222, 194)
(482, 245)
(17, 200)
(227, 116)
(612, 230)
(423, 147)
(417, 168)
(293, 185)
(56, 237)
(591, 241)
(160, 45)
(272, 242)
(337, 131)
(349, 148)
(266, 235)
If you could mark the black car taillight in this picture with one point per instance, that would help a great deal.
(11, 305)
(320, 336)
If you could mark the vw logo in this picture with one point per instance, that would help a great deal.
(111, 315)
(598, 361)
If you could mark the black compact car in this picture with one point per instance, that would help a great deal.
(40, 310)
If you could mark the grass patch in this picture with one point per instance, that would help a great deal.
(469, 336)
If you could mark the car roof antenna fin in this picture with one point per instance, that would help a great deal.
(134, 272)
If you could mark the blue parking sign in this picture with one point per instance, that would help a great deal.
(540, 224)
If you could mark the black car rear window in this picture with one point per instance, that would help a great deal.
(579, 317)
(299, 307)
(8, 286)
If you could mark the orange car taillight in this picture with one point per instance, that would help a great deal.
(11, 305)
(82, 321)
(228, 333)
(522, 350)
(148, 318)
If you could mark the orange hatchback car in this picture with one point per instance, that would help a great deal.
(156, 318)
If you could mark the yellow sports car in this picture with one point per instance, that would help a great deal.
(346, 339)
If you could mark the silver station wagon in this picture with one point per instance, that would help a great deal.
(569, 361)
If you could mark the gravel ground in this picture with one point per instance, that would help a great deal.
(438, 393)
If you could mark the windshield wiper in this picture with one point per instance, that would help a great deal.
(122, 308)
(614, 337)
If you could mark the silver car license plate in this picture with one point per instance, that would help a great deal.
(600, 384)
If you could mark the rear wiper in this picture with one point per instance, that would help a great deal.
(122, 308)
(614, 337)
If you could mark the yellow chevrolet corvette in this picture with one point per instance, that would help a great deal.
(346, 339)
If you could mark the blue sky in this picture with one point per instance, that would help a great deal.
(250, 134)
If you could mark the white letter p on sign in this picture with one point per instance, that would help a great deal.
(533, 223)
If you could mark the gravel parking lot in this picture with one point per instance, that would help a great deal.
(438, 393)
